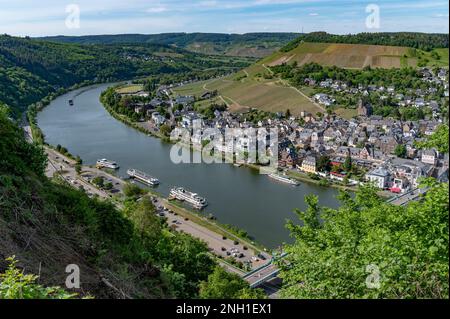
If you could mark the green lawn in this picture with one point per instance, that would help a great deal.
(130, 89)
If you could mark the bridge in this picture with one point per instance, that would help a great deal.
(264, 273)
(403, 199)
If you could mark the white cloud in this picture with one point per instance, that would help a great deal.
(313, 14)
(157, 9)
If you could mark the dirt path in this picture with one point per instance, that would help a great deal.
(287, 84)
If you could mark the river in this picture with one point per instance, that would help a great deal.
(237, 196)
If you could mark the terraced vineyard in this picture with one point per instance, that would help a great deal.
(356, 55)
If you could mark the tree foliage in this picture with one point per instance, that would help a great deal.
(423, 41)
(338, 252)
(15, 284)
(224, 285)
(438, 140)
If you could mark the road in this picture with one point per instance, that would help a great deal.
(261, 274)
(216, 242)
(407, 197)
(222, 247)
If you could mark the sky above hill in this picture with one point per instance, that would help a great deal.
(60, 17)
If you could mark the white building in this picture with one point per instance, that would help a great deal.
(429, 157)
(380, 177)
(158, 118)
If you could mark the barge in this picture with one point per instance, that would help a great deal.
(104, 163)
(194, 199)
(142, 177)
(283, 179)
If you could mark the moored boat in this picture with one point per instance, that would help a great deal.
(142, 177)
(194, 199)
(283, 179)
(104, 163)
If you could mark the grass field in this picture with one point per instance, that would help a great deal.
(346, 113)
(130, 89)
(248, 89)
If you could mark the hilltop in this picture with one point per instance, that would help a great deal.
(243, 45)
(359, 56)
(257, 86)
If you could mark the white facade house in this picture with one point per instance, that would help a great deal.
(158, 118)
(380, 177)
(429, 157)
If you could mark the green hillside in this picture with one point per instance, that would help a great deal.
(244, 45)
(359, 56)
(257, 87)
(32, 69)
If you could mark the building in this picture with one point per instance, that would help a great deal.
(188, 119)
(364, 109)
(309, 165)
(429, 157)
(380, 177)
(158, 118)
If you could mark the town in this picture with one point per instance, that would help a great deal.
(323, 148)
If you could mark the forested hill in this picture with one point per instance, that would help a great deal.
(31, 69)
(422, 41)
(249, 44)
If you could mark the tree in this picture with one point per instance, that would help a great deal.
(108, 186)
(224, 285)
(146, 223)
(78, 168)
(400, 151)
(438, 140)
(341, 254)
(165, 130)
(348, 164)
(288, 113)
(98, 181)
(14, 284)
(131, 190)
(324, 164)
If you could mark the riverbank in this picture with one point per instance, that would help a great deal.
(234, 195)
(214, 234)
(296, 175)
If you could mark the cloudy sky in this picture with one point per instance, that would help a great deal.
(58, 17)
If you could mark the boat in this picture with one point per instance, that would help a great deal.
(194, 199)
(71, 102)
(283, 179)
(104, 163)
(142, 177)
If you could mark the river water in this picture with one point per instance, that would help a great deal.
(237, 196)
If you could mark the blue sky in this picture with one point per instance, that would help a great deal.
(47, 17)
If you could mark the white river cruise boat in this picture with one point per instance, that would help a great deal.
(188, 197)
(283, 179)
(142, 177)
(104, 163)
